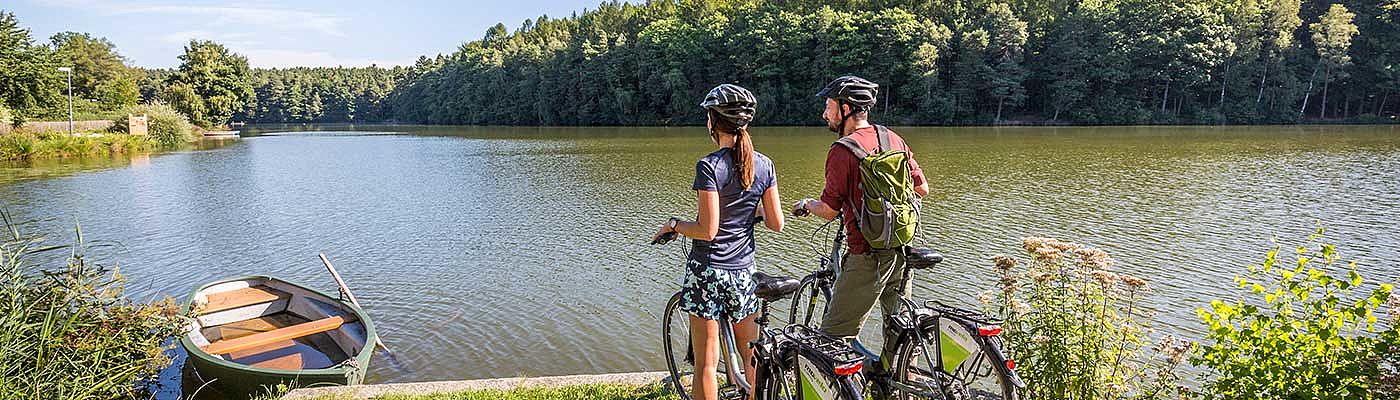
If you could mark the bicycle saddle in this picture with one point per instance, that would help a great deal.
(771, 288)
(922, 258)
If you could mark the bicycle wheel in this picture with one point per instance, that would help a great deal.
(965, 371)
(800, 376)
(808, 303)
(680, 357)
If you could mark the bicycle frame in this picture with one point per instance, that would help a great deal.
(825, 277)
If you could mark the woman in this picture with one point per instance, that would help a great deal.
(731, 183)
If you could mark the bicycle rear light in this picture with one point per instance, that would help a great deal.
(849, 369)
(1010, 364)
(989, 330)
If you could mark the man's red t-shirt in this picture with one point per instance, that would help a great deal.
(842, 190)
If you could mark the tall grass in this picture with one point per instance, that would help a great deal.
(23, 145)
(68, 332)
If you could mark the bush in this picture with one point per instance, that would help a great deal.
(68, 333)
(1078, 330)
(1299, 333)
(166, 126)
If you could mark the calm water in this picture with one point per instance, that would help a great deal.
(492, 252)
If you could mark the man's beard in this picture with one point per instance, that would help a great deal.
(832, 127)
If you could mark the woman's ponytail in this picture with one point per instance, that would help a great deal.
(743, 147)
(743, 156)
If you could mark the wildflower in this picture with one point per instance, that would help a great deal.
(1004, 263)
(1064, 246)
(1105, 278)
(1040, 339)
(1041, 276)
(1033, 243)
(987, 297)
(1095, 258)
(1008, 283)
(1020, 308)
(1134, 282)
(1175, 350)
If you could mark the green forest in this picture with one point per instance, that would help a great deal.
(939, 62)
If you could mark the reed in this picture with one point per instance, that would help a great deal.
(69, 332)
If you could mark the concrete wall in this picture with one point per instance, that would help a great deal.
(61, 126)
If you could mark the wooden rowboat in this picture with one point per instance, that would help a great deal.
(255, 332)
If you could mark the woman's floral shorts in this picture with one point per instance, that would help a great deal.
(712, 293)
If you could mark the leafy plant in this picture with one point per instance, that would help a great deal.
(165, 125)
(1300, 331)
(1077, 329)
(69, 333)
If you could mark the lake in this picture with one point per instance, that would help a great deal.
(507, 251)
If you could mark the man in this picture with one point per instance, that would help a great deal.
(867, 274)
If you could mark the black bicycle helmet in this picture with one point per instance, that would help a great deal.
(732, 102)
(853, 90)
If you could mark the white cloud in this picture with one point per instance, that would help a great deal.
(273, 17)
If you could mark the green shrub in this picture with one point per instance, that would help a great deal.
(69, 333)
(1078, 330)
(166, 126)
(15, 146)
(1300, 332)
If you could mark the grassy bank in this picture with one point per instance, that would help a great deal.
(578, 392)
(23, 145)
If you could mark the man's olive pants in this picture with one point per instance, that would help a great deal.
(864, 279)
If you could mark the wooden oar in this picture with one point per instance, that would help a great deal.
(346, 290)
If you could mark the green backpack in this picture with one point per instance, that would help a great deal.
(890, 216)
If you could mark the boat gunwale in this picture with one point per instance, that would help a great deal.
(339, 370)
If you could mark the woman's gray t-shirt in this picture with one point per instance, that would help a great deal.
(733, 246)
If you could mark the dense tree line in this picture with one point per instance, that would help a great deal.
(939, 61)
(321, 94)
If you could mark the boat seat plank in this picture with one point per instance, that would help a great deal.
(241, 298)
(284, 355)
(272, 336)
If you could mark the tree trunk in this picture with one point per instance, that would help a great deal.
(1262, 78)
(1056, 117)
(1308, 93)
(1381, 110)
(1000, 102)
(1165, 90)
(1325, 75)
(1346, 104)
(1224, 78)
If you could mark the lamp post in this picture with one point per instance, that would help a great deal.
(69, 70)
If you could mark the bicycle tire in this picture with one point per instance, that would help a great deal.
(808, 304)
(907, 357)
(676, 342)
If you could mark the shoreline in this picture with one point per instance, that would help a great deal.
(439, 387)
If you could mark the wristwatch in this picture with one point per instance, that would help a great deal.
(673, 223)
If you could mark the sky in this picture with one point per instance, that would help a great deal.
(152, 33)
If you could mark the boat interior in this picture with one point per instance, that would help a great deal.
(268, 323)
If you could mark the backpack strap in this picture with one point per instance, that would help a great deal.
(853, 146)
(883, 135)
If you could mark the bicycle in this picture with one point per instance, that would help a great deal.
(794, 362)
(967, 361)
